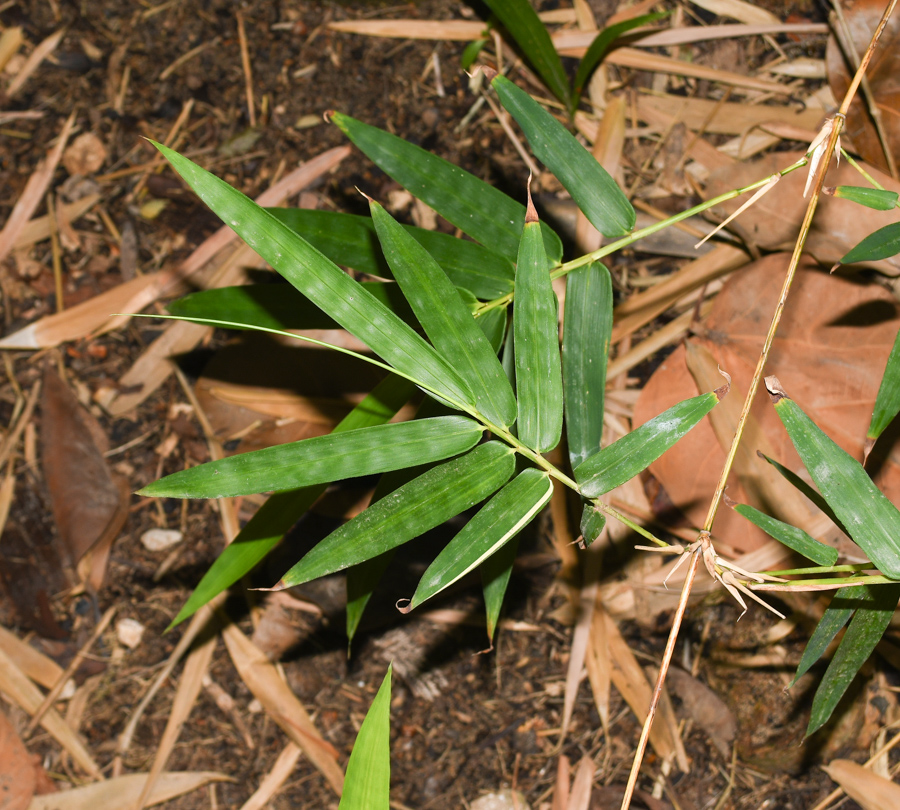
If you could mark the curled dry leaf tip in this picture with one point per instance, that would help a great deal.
(867, 448)
(531, 214)
(773, 386)
(326, 116)
(729, 502)
(722, 391)
(489, 72)
(370, 199)
(403, 605)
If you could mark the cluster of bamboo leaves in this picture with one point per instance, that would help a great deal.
(473, 323)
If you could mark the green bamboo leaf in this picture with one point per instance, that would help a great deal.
(871, 519)
(878, 198)
(535, 324)
(470, 53)
(633, 453)
(501, 519)
(791, 536)
(349, 240)
(493, 324)
(585, 353)
(865, 631)
(420, 505)
(283, 509)
(887, 403)
(801, 486)
(279, 306)
(592, 523)
(478, 209)
(530, 34)
(324, 283)
(447, 322)
(590, 185)
(843, 604)
(322, 459)
(599, 47)
(880, 244)
(495, 574)
(367, 784)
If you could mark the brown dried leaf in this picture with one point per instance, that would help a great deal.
(85, 155)
(706, 708)
(88, 504)
(832, 346)
(862, 17)
(871, 791)
(16, 770)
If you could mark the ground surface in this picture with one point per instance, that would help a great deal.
(463, 722)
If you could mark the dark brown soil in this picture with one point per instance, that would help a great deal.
(489, 722)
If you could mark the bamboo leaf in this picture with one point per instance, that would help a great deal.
(530, 34)
(535, 324)
(447, 322)
(348, 239)
(493, 324)
(501, 519)
(324, 283)
(870, 518)
(420, 505)
(283, 509)
(495, 573)
(865, 631)
(367, 784)
(592, 523)
(880, 244)
(585, 353)
(323, 459)
(479, 210)
(634, 452)
(791, 536)
(878, 198)
(843, 604)
(887, 403)
(599, 47)
(279, 306)
(590, 185)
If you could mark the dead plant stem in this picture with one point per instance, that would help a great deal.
(829, 150)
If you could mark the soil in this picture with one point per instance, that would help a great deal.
(464, 721)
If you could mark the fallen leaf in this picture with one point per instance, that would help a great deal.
(830, 353)
(774, 222)
(862, 18)
(85, 155)
(706, 708)
(16, 770)
(89, 505)
(871, 791)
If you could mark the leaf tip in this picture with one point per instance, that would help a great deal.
(327, 116)
(867, 448)
(531, 214)
(404, 605)
(370, 199)
(489, 73)
(722, 391)
(773, 386)
(729, 502)
(281, 585)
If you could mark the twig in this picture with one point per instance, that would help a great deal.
(248, 72)
(827, 150)
(54, 250)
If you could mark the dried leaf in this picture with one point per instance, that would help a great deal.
(871, 791)
(706, 709)
(16, 770)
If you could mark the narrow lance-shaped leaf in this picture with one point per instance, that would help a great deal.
(530, 34)
(887, 403)
(535, 325)
(349, 239)
(367, 784)
(599, 47)
(447, 322)
(324, 283)
(878, 198)
(585, 354)
(493, 324)
(590, 185)
(478, 209)
(420, 505)
(880, 244)
(870, 518)
(791, 536)
(843, 604)
(634, 452)
(865, 631)
(323, 459)
(592, 523)
(278, 306)
(283, 509)
(495, 574)
(496, 523)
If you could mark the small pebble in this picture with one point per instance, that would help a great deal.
(129, 632)
(161, 539)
